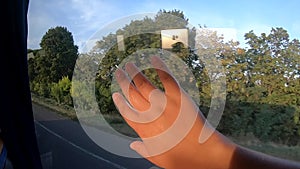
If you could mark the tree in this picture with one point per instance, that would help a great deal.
(60, 54)
(139, 35)
(56, 59)
(262, 83)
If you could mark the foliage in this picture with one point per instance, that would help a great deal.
(55, 60)
(59, 55)
(139, 35)
(262, 80)
(262, 99)
(61, 91)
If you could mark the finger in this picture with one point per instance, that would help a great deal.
(170, 84)
(143, 85)
(140, 148)
(124, 108)
(130, 92)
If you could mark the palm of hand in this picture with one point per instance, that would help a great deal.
(169, 123)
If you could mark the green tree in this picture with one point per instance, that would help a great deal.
(261, 85)
(56, 59)
(60, 53)
(262, 80)
(139, 35)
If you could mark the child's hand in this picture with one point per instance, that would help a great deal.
(168, 122)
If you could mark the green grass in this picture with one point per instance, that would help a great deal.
(115, 121)
(64, 110)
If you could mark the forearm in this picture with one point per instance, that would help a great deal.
(248, 159)
(233, 156)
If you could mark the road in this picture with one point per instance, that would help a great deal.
(63, 144)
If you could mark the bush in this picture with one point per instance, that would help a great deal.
(41, 89)
(60, 91)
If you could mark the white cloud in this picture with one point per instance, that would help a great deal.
(257, 28)
(90, 12)
(38, 23)
(84, 18)
(86, 9)
(228, 33)
(81, 17)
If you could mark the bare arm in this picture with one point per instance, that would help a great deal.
(249, 159)
(160, 119)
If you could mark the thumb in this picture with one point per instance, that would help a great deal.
(140, 148)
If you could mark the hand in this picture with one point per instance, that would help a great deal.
(169, 123)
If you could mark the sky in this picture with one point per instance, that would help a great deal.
(84, 18)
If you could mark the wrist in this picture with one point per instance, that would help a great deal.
(222, 152)
(215, 153)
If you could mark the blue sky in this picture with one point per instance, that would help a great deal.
(85, 17)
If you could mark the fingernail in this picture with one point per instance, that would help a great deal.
(130, 66)
(114, 96)
(118, 73)
(154, 59)
(157, 62)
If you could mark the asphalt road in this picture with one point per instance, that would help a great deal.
(63, 144)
